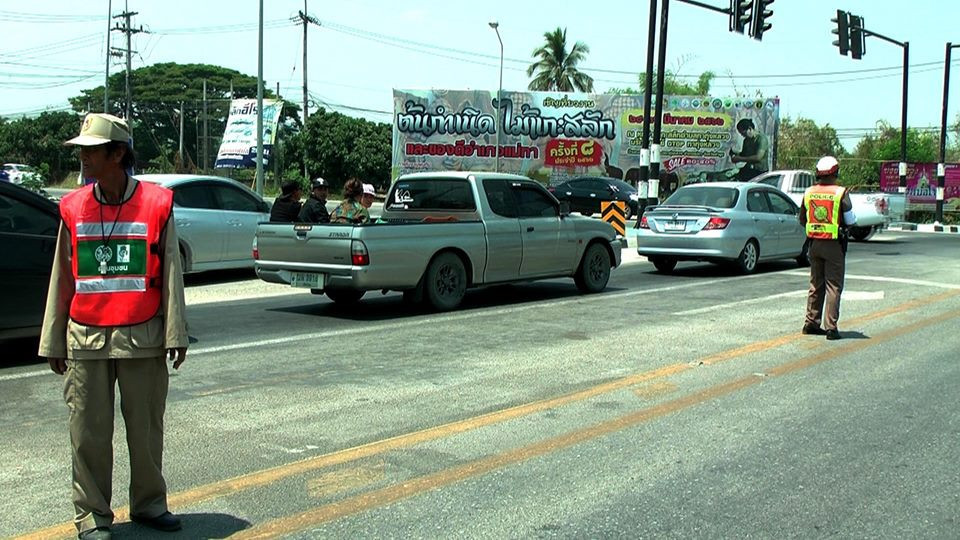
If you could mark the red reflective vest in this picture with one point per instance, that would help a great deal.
(822, 202)
(116, 255)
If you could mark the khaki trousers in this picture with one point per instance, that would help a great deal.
(827, 266)
(89, 390)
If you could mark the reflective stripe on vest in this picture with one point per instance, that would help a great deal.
(822, 203)
(116, 255)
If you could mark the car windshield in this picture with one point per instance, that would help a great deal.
(712, 196)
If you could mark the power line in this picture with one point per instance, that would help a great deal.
(46, 18)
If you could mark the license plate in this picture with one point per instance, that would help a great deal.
(307, 280)
(674, 225)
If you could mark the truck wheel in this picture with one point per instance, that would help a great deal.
(747, 261)
(445, 282)
(594, 271)
(861, 234)
(344, 296)
(664, 265)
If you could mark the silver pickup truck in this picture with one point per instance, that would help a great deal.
(874, 210)
(439, 234)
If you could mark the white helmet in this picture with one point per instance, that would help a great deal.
(828, 166)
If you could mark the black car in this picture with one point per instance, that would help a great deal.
(585, 194)
(28, 237)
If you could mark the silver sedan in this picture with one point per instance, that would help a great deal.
(216, 220)
(722, 222)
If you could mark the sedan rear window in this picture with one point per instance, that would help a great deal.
(713, 196)
(431, 194)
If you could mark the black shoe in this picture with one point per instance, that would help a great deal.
(833, 334)
(810, 329)
(100, 533)
(166, 522)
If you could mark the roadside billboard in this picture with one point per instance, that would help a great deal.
(554, 136)
(238, 150)
(922, 185)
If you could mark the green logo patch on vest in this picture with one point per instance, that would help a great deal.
(122, 257)
(820, 213)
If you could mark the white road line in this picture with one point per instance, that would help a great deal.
(890, 280)
(740, 303)
(25, 375)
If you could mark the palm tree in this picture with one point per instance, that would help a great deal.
(555, 68)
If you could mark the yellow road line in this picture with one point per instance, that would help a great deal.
(268, 476)
(430, 482)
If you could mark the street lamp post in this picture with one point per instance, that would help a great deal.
(496, 28)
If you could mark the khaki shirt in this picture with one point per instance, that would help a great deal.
(62, 337)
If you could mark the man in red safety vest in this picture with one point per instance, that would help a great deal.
(825, 213)
(115, 312)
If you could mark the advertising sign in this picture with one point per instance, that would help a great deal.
(239, 147)
(554, 136)
(922, 185)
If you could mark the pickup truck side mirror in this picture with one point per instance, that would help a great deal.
(564, 208)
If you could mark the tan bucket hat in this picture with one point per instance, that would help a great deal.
(101, 128)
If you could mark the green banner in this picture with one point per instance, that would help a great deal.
(122, 256)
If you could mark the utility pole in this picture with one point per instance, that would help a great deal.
(129, 31)
(106, 78)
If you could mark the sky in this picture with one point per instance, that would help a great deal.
(51, 50)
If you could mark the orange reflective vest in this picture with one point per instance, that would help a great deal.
(823, 211)
(116, 255)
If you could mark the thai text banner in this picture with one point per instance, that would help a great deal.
(238, 150)
(554, 136)
(922, 184)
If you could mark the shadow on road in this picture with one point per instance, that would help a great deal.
(219, 276)
(21, 352)
(702, 270)
(194, 526)
(378, 307)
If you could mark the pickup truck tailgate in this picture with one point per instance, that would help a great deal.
(303, 244)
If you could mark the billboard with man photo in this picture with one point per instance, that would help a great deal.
(554, 136)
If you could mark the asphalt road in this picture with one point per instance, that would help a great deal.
(671, 406)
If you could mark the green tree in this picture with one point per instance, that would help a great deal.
(39, 142)
(863, 166)
(339, 147)
(158, 91)
(556, 68)
(802, 142)
(672, 86)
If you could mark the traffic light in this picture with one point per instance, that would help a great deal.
(857, 39)
(740, 15)
(759, 24)
(842, 31)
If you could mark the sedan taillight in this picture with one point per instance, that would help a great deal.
(716, 223)
(643, 223)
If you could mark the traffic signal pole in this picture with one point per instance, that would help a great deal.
(852, 38)
(647, 98)
(653, 186)
(941, 166)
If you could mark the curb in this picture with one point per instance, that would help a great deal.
(926, 227)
